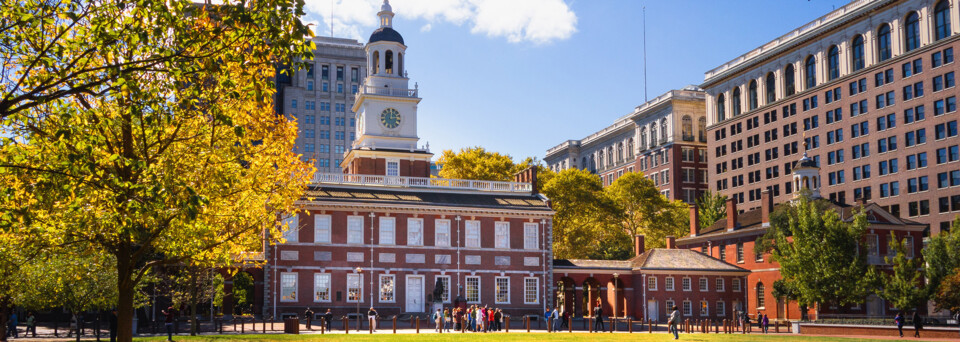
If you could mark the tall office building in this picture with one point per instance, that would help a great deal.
(868, 91)
(321, 97)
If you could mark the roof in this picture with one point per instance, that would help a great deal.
(385, 34)
(586, 263)
(805, 162)
(425, 197)
(680, 260)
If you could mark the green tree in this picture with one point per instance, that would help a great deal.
(819, 253)
(902, 287)
(582, 226)
(242, 292)
(940, 257)
(156, 142)
(711, 207)
(947, 297)
(479, 164)
(642, 209)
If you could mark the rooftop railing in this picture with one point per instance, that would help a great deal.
(421, 183)
(386, 91)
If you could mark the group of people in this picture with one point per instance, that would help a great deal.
(474, 318)
(14, 320)
(327, 317)
(560, 319)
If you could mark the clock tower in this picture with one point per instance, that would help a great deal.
(386, 110)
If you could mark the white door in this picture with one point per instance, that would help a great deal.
(415, 293)
(652, 310)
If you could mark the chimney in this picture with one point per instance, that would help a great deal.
(638, 247)
(528, 175)
(731, 214)
(671, 242)
(694, 221)
(766, 205)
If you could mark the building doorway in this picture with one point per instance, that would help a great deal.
(414, 293)
(652, 313)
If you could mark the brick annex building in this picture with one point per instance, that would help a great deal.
(870, 87)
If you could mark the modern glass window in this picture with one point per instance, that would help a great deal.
(388, 230)
(884, 51)
(321, 287)
(941, 18)
(531, 290)
(472, 289)
(530, 236)
(502, 290)
(833, 63)
(501, 232)
(321, 228)
(355, 229)
(857, 56)
(752, 90)
(789, 80)
(288, 287)
(810, 72)
(388, 288)
(911, 32)
(441, 233)
(414, 231)
(472, 234)
(721, 113)
(771, 87)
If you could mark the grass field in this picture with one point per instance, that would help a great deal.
(532, 337)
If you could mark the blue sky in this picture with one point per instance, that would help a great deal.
(521, 85)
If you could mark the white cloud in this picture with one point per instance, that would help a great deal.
(534, 21)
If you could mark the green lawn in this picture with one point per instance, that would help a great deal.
(532, 337)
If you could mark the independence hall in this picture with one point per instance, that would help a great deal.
(869, 88)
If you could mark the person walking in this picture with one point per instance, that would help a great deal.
(899, 321)
(372, 316)
(437, 318)
(113, 325)
(765, 323)
(917, 324)
(168, 321)
(673, 321)
(12, 323)
(564, 318)
(308, 316)
(957, 318)
(447, 320)
(491, 326)
(328, 320)
(31, 325)
(555, 315)
(499, 319)
(598, 314)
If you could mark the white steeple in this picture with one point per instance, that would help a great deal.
(806, 175)
(386, 14)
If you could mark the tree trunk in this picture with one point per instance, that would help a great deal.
(193, 301)
(4, 309)
(125, 293)
(79, 327)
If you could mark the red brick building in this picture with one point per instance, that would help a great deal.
(647, 285)
(733, 240)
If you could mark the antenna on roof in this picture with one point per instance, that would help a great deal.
(644, 54)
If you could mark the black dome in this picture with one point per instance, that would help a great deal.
(806, 162)
(385, 34)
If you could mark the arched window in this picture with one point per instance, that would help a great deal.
(771, 87)
(702, 128)
(643, 138)
(789, 80)
(752, 93)
(833, 63)
(399, 64)
(911, 32)
(620, 152)
(610, 160)
(663, 130)
(760, 290)
(653, 135)
(687, 128)
(736, 101)
(721, 108)
(583, 163)
(388, 58)
(376, 62)
(856, 53)
(810, 72)
(630, 148)
(941, 17)
(883, 43)
(600, 164)
(593, 164)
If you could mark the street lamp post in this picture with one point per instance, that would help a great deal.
(616, 279)
(358, 296)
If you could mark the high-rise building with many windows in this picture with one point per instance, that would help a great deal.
(868, 91)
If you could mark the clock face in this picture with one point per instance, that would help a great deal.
(390, 118)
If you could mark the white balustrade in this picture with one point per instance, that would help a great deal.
(320, 178)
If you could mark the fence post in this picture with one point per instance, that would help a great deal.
(630, 324)
(528, 323)
(323, 325)
(590, 324)
(507, 319)
(649, 326)
(346, 325)
(418, 324)
(394, 324)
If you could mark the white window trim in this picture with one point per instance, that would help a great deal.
(534, 242)
(296, 286)
(704, 283)
(654, 287)
(536, 297)
(358, 221)
(721, 308)
(436, 231)
(670, 284)
(739, 284)
(466, 234)
(496, 282)
(380, 288)
(704, 312)
(360, 283)
(410, 221)
(446, 299)
(316, 277)
(497, 227)
(683, 308)
(466, 283)
(684, 284)
(721, 285)
(322, 236)
(386, 169)
(392, 234)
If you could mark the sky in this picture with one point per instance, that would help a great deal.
(521, 76)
